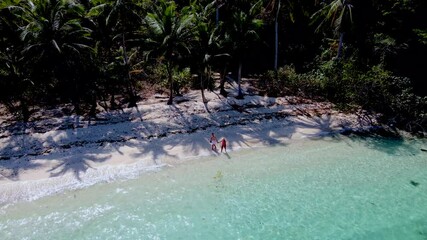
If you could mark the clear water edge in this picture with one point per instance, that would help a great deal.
(352, 188)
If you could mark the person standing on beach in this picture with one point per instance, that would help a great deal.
(213, 142)
(223, 144)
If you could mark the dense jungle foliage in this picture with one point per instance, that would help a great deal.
(357, 54)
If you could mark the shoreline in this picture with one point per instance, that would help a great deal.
(167, 135)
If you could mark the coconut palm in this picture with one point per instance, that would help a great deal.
(243, 32)
(53, 42)
(114, 22)
(170, 33)
(287, 8)
(276, 36)
(14, 81)
(218, 5)
(53, 27)
(339, 14)
(272, 10)
(121, 18)
(207, 43)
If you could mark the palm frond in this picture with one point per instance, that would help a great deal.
(154, 25)
(55, 45)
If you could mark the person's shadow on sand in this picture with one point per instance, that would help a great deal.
(226, 154)
(216, 152)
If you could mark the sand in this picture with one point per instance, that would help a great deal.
(54, 154)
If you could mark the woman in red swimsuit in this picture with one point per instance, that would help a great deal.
(223, 144)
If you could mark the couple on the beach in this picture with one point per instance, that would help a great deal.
(214, 141)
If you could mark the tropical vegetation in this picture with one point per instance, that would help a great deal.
(357, 54)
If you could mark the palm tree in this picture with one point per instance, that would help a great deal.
(218, 5)
(103, 58)
(339, 13)
(243, 32)
(276, 10)
(122, 17)
(115, 22)
(55, 40)
(207, 43)
(126, 15)
(274, 5)
(14, 80)
(53, 43)
(276, 36)
(170, 33)
(54, 27)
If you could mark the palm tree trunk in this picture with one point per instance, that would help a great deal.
(202, 87)
(217, 13)
(125, 56)
(340, 46)
(113, 104)
(75, 98)
(24, 110)
(170, 101)
(92, 112)
(239, 77)
(132, 96)
(222, 82)
(276, 32)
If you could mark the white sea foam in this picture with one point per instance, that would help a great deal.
(35, 189)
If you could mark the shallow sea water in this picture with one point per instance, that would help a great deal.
(336, 188)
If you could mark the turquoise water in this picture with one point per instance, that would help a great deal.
(347, 188)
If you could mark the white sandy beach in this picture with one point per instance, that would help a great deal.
(59, 153)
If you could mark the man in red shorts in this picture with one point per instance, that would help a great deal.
(213, 142)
